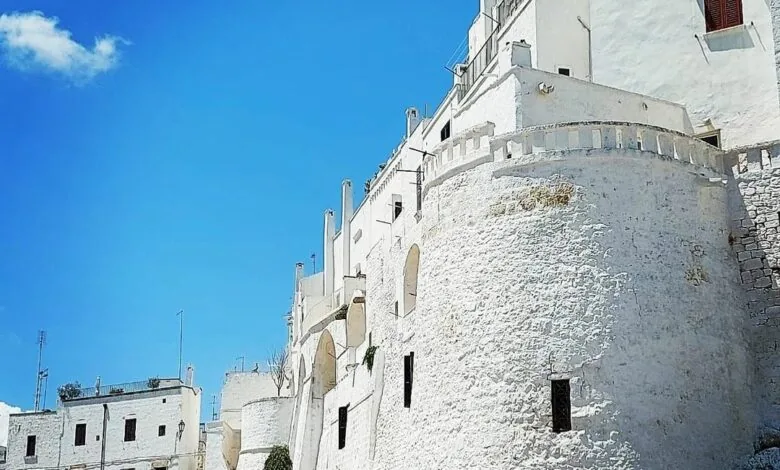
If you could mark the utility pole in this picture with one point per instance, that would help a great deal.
(39, 379)
(180, 314)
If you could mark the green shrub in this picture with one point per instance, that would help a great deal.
(368, 358)
(278, 459)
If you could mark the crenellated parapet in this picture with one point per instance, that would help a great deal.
(477, 145)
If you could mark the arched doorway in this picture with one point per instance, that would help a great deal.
(411, 268)
(323, 379)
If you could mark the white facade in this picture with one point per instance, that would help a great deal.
(92, 431)
(568, 230)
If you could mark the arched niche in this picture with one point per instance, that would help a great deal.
(410, 278)
(324, 368)
(356, 320)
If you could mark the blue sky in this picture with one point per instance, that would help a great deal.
(184, 161)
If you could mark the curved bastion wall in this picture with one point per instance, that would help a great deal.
(266, 423)
(568, 253)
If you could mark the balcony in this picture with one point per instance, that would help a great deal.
(69, 392)
(320, 309)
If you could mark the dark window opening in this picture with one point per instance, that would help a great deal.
(81, 434)
(398, 207)
(561, 405)
(369, 340)
(343, 426)
(722, 14)
(161, 430)
(30, 446)
(713, 140)
(408, 379)
(564, 71)
(395, 306)
(129, 430)
(446, 132)
(164, 400)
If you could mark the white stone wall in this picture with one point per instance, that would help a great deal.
(510, 297)
(46, 426)
(755, 238)
(774, 6)
(661, 49)
(215, 457)
(5, 410)
(56, 431)
(266, 424)
(242, 387)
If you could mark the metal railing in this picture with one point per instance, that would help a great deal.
(489, 50)
(506, 9)
(68, 393)
(478, 64)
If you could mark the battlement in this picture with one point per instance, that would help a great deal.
(477, 145)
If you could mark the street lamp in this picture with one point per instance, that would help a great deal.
(181, 428)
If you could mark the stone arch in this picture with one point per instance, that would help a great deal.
(323, 379)
(411, 267)
(297, 411)
(323, 374)
(356, 320)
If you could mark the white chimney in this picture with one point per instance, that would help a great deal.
(412, 120)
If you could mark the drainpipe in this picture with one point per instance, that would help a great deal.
(103, 438)
(590, 49)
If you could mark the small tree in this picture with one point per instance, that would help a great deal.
(278, 459)
(277, 366)
(69, 391)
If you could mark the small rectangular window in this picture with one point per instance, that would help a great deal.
(408, 379)
(561, 405)
(161, 430)
(445, 132)
(398, 207)
(30, 446)
(81, 434)
(343, 426)
(395, 308)
(564, 71)
(129, 430)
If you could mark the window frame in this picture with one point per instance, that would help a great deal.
(80, 435)
(30, 450)
(560, 402)
(343, 414)
(408, 379)
(130, 429)
(161, 430)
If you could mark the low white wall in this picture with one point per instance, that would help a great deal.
(266, 424)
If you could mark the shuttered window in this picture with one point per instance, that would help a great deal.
(343, 426)
(129, 430)
(408, 379)
(722, 14)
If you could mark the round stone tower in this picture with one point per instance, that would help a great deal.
(577, 307)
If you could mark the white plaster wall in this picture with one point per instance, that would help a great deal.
(151, 409)
(561, 40)
(601, 291)
(266, 424)
(651, 48)
(215, 458)
(522, 26)
(774, 6)
(239, 389)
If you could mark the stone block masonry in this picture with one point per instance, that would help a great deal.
(754, 190)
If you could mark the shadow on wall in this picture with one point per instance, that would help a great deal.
(726, 40)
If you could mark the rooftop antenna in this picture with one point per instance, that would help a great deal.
(213, 407)
(180, 314)
(314, 262)
(242, 362)
(39, 380)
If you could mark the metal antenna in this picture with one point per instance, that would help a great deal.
(213, 407)
(314, 262)
(39, 379)
(180, 314)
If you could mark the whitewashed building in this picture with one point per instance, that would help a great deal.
(147, 425)
(254, 416)
(573, 263)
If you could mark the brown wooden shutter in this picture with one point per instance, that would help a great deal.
(732, 13)
(721, 14)
(713, 14)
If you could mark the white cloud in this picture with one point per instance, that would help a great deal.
(5, 410)
(32, 40)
